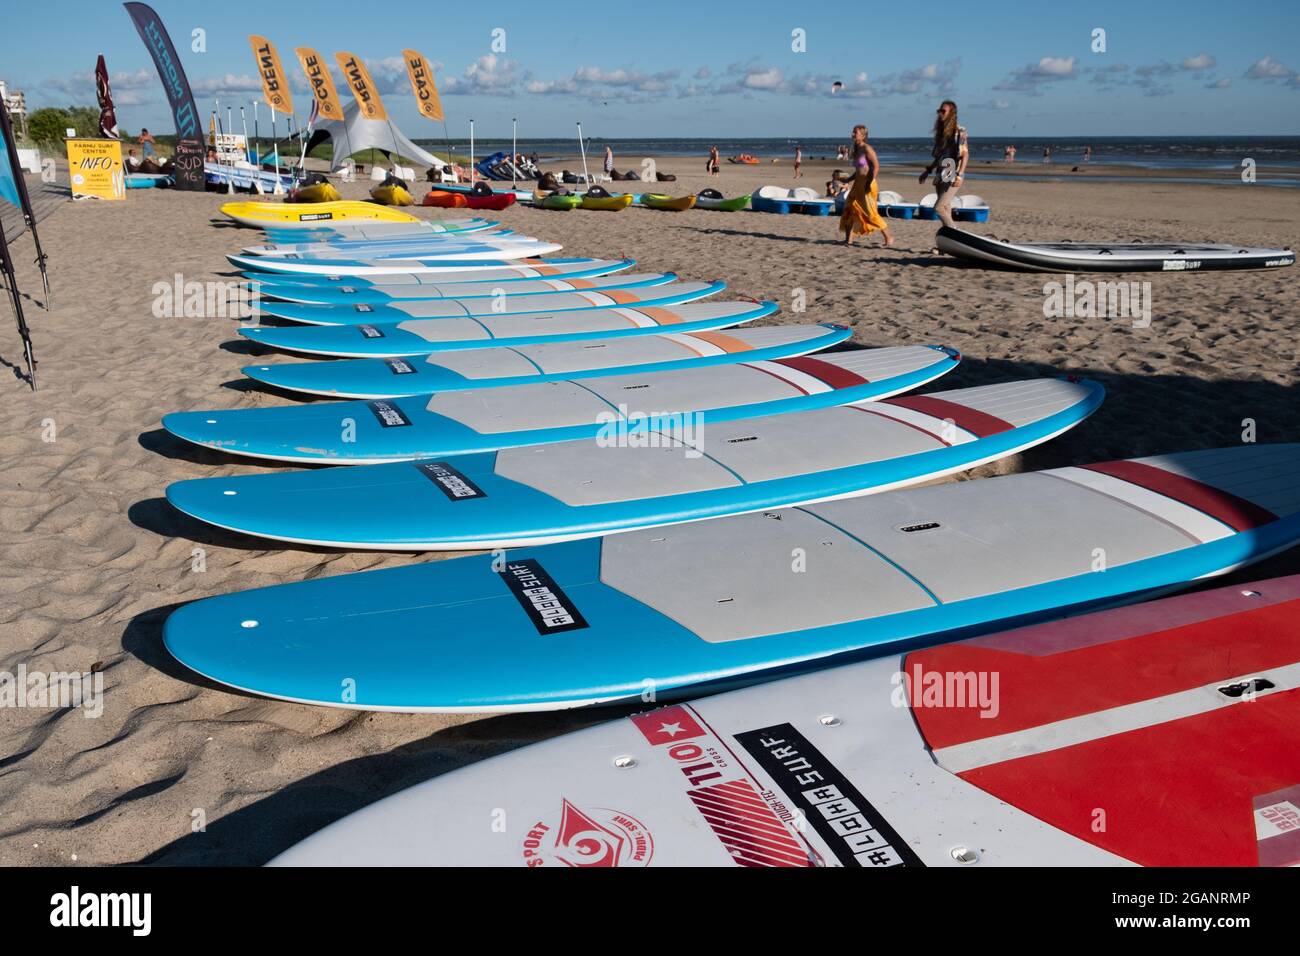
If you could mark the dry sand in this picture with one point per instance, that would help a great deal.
(92, 559)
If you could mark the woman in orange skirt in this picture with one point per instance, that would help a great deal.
(861, 217)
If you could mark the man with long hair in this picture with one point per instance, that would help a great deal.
(948, 160)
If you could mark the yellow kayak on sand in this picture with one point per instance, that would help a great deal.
(317, 192)
(303, 215)
(607, 202)
(660, 201)
(392, 195)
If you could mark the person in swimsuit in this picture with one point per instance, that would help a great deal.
(715, 161)
(147, 144)
(609, 161)
(798, 161)
(949, 156)
(860, 213)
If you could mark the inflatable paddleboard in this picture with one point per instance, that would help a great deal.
(306, 215)
(699, 606)
(503, 272)
(427, 262)
(389, 248)
(1116, 257)
(373, 229)
(422, 336)
(1178, 719)
(382, 294)
(663, 472)
(487, 306)
(547, 362)
(480, 420)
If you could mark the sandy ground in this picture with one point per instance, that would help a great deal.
(92, 559)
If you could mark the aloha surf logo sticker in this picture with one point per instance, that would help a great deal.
(598, 837)
(546, 605)
(389, 415)
(450, 482)
(854, 830)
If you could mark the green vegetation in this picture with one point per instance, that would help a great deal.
(48, 128)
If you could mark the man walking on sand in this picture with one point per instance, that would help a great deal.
(948, 160)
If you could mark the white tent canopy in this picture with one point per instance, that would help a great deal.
(362, 134)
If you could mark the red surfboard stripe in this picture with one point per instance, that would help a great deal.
(734, 829)
(1037, 689)
(825, 372)
(980, 424)
(1237, 513)
(1180, 793)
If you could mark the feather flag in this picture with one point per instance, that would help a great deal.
(422, 85)
(275, 87)
(324, 93)
(362, 86)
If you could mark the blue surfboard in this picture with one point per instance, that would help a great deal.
(701, 606)
(381, 295)
(677, 468)
(423, 336)
(512, 416)
(541, 268)
(389, 313)
(493, 367)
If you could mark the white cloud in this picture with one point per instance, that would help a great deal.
(1199, 63)
(1268, 69)
(1032, 77)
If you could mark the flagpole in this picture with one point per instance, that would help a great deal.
(25, 201)
(276, 145)
(514, 153)
(7, 266)
(256, 137)
(471, 151)
(583, 148)
(243, 121)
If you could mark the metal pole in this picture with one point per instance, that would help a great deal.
(514, 153)
(471, 152)
(583, 147)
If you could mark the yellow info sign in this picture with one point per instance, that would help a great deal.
(95, 168)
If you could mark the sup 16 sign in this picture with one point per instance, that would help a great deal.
(95, 168)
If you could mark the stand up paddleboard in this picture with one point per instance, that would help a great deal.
(388, 248)
(1115, 257)
(373, 229)
(462, 423)
(674, 470)
(502, 272)
(382, 295)
(678, 293)
(1166, 734)
(450, 261)
(422, 336)
(548, 362)
(699, 606)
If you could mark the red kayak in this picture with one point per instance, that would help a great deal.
(497, 201)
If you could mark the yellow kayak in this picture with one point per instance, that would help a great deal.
(317, 192)
(391, 195)
(660, 201)
(299, 215)
(613, 203)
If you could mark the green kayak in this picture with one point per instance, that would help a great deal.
(712, 199)
(561, 201)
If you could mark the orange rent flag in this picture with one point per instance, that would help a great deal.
(422, 85)
(362, 86)
(322, 84)
(275, 86)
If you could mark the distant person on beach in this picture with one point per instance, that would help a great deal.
(132, 160)
(798, 162)
(1012, 151)
(714, 166)
(147, 144)
(609, 161)
(949, 156)
(1087, 154)
(860, 213)
(1047, 154)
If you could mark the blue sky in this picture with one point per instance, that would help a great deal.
(718, 70)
